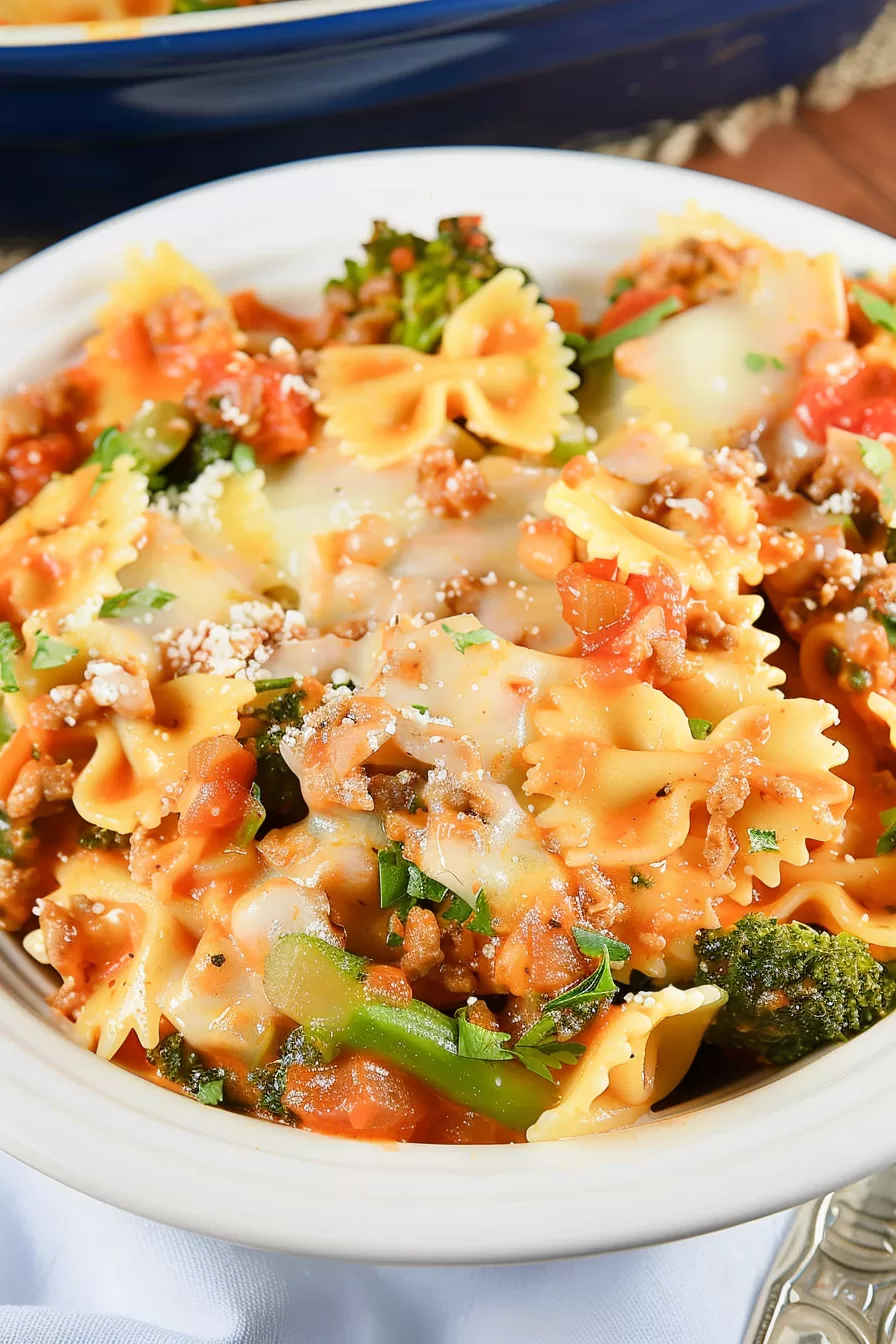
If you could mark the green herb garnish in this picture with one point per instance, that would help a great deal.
(642, 325)
(756, 362)
(109, 444)
(136, 602)
(876, 309)
(593, 944)
(475, 1042)
(49, 652)
(700, 728)
(9, 644)
(465, 639)
(887, 841)
(596, 986)
(243, 459)
(274, 684)
(638, 879)
(875, 455)
(176, 1061)
(540, 1051)
(762, 842)
(481, 921)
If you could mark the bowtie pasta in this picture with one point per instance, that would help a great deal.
(455, 716)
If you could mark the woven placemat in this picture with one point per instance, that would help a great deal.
(869, 65)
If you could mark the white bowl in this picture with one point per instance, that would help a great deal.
(568, 219)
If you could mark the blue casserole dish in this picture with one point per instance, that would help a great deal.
(94, 118)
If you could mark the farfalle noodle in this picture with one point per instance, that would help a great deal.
(502, 365)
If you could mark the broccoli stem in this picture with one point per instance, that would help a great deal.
(323, 989)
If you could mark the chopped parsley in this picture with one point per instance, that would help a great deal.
(540, 1050)
(176, 1061)
(464, 639)
(857, 678)
(477, 918)
(762, 842)
(876, 309)
(700, 728)
(875, 455)
(421, 709)
(403, 885)
(481, 921)
(890, 546)
(136, 602)
(109, 444)
(9, 644)
(642, 325)
(887, 841)
(16, 840)
(756, 362)
(243, 458)
(49, 652)
(594, 944)
(888, 621)
(638, 879)
(595, 987)
(475, 1042)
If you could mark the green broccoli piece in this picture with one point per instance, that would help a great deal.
(791, 989)
(421, 283)
(177, 1062)
(271, 1079)
(207, 445)
(99, 837)
(280, 791)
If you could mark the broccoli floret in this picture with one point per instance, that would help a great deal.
(99, 837)
(207, 445)
(281, 793)
(791, 988)
(271, 1079)
(421, 282)
(177, 1062)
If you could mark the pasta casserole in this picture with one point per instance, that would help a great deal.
(454, 716)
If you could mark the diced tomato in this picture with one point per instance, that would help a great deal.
(357, 1096)
(31, 463)
(402, 259)
(617, 621)
(633, 302)
(274, 411)
(219, 773)
(253, 315)
(13, 756)
(567, 314)
(863, 404)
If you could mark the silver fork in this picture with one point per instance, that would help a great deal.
(834, 1278)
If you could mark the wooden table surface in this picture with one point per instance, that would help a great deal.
(844, 160)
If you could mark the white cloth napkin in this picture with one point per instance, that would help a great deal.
(73, 1271)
